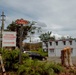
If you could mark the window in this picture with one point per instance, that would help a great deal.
(50, 43)
(56, 42)
(64, 42)
(52, 50)
(71, 50)
(70, 42)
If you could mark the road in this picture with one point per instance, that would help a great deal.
(58, 60)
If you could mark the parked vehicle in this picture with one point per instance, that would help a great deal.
(34, 55)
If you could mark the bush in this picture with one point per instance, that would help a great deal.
(28, 67)
(56, 67)
(35, 67)
(41, 52)
(11, 59)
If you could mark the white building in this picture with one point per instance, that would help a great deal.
(44, 46)
(55, 47)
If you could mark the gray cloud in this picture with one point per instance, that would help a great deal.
(58, 15)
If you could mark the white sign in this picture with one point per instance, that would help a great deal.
(8, 39)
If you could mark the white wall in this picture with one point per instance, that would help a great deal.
(60, 46)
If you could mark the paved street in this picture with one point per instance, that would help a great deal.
(58, 60)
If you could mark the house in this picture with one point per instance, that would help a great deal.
(55, 47)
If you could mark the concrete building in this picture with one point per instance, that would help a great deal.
(55, 47)
(45, 46)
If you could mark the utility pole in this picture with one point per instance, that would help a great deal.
(21, 34)
(21, 23)
(2, 27)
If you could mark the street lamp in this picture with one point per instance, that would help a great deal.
(21, 23)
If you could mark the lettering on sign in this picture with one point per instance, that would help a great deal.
(9, 39)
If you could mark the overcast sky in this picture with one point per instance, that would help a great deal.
(58, 15)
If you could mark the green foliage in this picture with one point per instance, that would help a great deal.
(15, 27)
(11, 59)
(56, 67)
(34, 67)
(41, 52)
(28, 66)
(46, 36)
(0, 50)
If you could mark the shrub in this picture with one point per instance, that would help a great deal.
(33, 67)
(41, 52)
(28, 67)
(11, 59)
(56, 67)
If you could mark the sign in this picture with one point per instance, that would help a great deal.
(8, 39)
(21, 21)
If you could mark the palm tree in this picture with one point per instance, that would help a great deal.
(45, 37)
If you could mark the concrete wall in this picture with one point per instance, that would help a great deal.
(55, 50)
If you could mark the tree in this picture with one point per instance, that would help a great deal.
(15, 27)
(45, 37)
